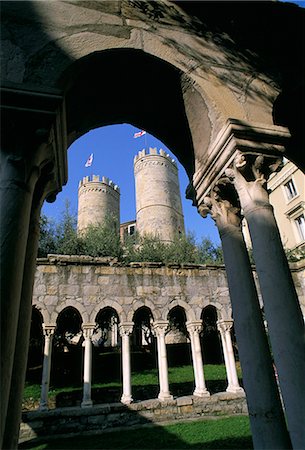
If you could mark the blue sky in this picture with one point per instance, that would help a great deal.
(114, 148)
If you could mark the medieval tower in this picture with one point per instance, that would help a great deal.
(98, 199)
(158, 201)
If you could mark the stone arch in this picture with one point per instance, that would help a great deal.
(74, 304)
(139, 304)
(190, 314)
(211, 346)
(108, 303)
(44, 312)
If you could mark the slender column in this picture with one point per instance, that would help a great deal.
(18, 179)
(194, 329)
(224, 327)
(48, 331)
(87, 332)
(282, 309)
(12, 425)
(265, 411)
(160, 327)
(125, 332)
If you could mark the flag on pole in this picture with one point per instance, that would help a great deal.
(139, 134)
(89, 161)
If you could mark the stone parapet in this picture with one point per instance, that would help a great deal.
(66, 422)
(97, 179)
(154, 152)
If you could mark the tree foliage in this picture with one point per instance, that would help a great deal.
(104, 240)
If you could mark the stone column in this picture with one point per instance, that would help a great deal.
(125, 332)
(265, 411)
(12, 426)
(48, 331)
(194, 329)
(87, 332)
(282, 309)
(19, 175)
(160, 327)
(224, 327)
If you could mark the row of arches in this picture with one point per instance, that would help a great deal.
(68, 342)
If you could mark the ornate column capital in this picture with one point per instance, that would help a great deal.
(126, 328)
(224, 325)
(88, 329)
(194, 326)
(223, 205)
(237, 136)
(48, 329)
(160, 327)
(250, 173)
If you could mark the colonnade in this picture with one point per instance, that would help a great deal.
(243, 190)
(159, 329)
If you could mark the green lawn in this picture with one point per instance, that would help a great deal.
(225, 433)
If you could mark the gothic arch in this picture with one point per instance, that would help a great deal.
(82, 310)
(190, 314)
(108, 304)
(139, 304)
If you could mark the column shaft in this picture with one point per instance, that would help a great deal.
(88, 331)
(200, 387)
(282, 309)
(125, 332)
(16, 202)
(46, 368)
(12, 426)
(267, 420)
(226, 358)
(266, 416)
(164, 393)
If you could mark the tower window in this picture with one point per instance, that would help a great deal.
(290, 189)
(300, 224)
(131, 229)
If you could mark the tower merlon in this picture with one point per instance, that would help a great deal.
(153, 151)
(97, 179)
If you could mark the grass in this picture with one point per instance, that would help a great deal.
(224, 433)
(182, 374)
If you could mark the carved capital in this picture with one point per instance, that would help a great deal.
(160, 327)
(250, 173)
(222, 204)
(224, 326)
(126, 328)
(194, 327)
(48, 329)
(88, 330)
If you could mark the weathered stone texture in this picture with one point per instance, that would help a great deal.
(91, 287)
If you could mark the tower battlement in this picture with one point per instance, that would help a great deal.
(97, 179)
(154, 152)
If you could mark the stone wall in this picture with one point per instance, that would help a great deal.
(50, 424)
(90, 284)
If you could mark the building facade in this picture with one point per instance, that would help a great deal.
(287, 196)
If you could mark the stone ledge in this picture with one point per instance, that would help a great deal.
(74, 420)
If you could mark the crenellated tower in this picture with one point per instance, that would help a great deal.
(158, 201)
(98, 199)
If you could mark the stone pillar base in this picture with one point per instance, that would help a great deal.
(43, 407)
(163, 396)
(201, 393)
(126, 399)
(86, 404)
(235, 390)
